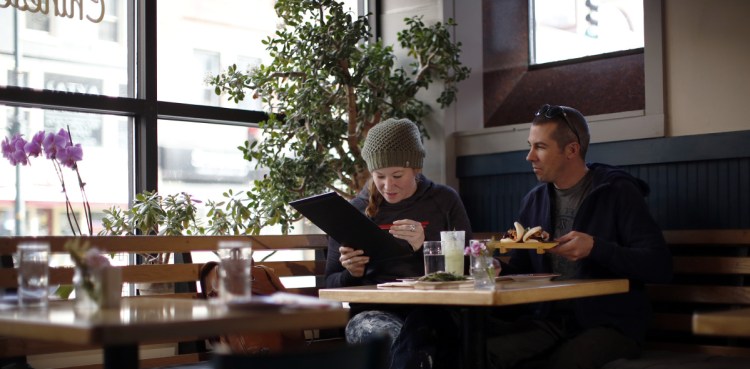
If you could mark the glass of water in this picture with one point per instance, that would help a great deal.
(434, 259)
(235, 262)
(33, 274)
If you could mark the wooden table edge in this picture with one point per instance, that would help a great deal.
(480, 298)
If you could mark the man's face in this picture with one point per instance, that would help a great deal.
(547, 159)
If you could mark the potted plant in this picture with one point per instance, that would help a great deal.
(153, 214)
(329, 83)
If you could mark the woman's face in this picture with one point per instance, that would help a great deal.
(395, 183)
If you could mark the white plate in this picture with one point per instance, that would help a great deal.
(296, 301)
(399, 284)
(407, 279)
(534, 277)
(424, 285)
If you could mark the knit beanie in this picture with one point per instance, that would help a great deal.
(393, 143)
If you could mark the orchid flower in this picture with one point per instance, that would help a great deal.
(59, 148)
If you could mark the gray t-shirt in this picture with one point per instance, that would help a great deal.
(564, 209)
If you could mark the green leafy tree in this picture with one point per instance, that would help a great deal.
(329, 83)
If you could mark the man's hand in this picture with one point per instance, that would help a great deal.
(574, 246)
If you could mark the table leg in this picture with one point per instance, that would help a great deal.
(121, 357)
(473, 337)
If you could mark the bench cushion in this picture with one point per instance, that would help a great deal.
(674, 360)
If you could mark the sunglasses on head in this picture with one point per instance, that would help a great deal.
(552, 111)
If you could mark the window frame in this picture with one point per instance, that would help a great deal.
(619, 126)
(144, 107)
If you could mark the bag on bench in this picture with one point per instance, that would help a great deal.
(264, 282)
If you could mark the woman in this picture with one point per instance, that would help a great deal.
(416, 209)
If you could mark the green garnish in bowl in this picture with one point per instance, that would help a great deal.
(442, 277)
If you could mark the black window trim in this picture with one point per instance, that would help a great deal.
(145, 108)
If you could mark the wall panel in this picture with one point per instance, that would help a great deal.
(689, 188)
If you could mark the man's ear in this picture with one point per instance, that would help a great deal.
(572, 150)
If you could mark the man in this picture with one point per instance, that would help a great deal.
(598, 216)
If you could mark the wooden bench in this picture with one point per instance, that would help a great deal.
(711, 273)
(711, 270)
(307, 261)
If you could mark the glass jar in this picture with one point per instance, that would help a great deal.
(87, 290)
(482, 269)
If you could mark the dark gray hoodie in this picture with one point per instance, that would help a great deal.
(432, 202)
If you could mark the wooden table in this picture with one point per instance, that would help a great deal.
(152, 319)
(723, 323)
(474, 304)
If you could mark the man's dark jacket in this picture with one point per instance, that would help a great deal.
(627, 244)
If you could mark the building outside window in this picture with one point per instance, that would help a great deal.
(570, 29)
(110, 25)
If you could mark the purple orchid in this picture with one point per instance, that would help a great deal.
(50, 150)
(476, 248)
(55, 143)
(7, 148)
(60, 149)
(33, 148)
(68, 156)
(18, 155)
(94, 259)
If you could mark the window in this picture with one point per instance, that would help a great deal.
(108, 31)
(569, 29)
(104, 169)
(169, 133)
(206, 64)
(512, 90)
(212, 39)
(249, 63)
(37, 22)
(66, 55)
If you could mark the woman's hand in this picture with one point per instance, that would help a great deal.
(353, 260)
(409, 230)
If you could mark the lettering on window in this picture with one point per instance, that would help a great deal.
(62, 8)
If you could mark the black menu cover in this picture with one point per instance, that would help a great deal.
(348, 226)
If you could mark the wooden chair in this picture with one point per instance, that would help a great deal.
(372, 355)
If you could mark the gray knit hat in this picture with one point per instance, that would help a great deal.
(393, 143)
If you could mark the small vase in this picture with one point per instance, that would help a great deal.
(483, 271)
(88, 290)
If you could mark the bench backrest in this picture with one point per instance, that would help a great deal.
(180, 272)
(711, 269)
(186, 273)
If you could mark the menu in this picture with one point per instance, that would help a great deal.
(348, 226)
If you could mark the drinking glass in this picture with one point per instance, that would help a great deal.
(453, 249)
(434, 259)
(235, 263)
(33, 274)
